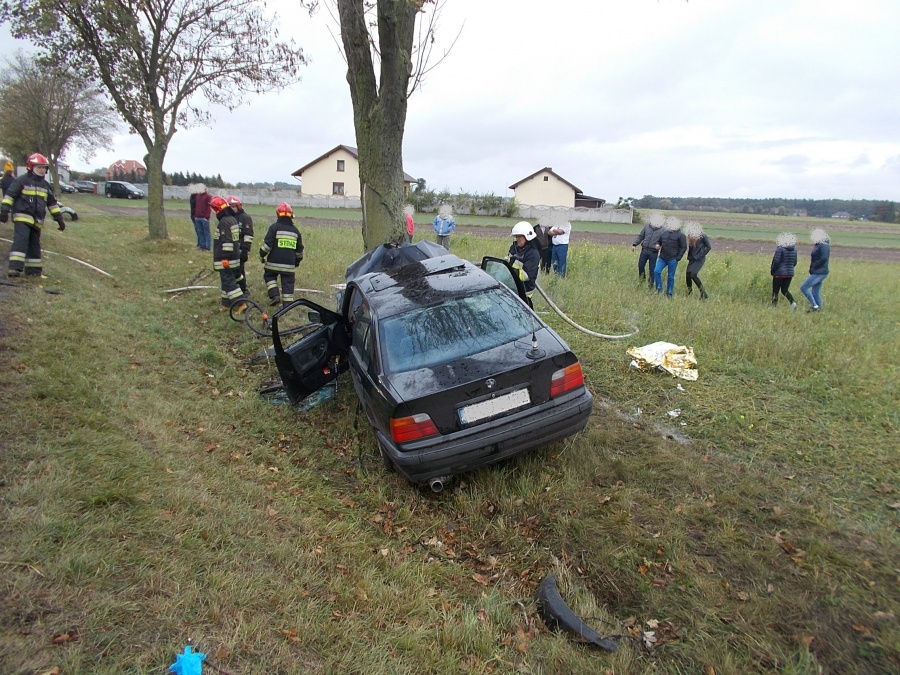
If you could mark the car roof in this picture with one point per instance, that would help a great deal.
(423, 283)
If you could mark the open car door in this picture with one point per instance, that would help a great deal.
(502, 271)
(307, 365)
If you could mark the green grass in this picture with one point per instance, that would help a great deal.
(149, 496)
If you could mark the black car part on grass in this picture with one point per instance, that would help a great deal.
(557, 615)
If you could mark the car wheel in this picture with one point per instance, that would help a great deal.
(108, 195)
(130, 196)
(388, 464)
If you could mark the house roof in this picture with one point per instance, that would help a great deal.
(126, 166)
(353, 153)
(548, 170)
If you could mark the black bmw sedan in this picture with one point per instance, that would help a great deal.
(452, 367)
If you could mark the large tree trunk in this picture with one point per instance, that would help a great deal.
(155, 204)
(379, 110)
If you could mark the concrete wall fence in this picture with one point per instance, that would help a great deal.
(272, 197)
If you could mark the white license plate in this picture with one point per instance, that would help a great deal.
(495, 406)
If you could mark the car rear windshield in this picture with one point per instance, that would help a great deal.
(455, 329)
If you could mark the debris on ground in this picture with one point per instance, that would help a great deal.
(677, 360)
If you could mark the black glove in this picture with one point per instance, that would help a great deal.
(297, 260)
(61, 224)
(262, 257)
(4, 217)
(244, 257)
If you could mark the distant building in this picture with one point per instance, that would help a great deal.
(843, 215)
(547, 188)
(799, 213)
(126, 169)
(336, 173)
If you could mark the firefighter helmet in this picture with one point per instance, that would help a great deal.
(234, 201)
(284, 210)
(525, 229)
(218, 203)
(37, 159)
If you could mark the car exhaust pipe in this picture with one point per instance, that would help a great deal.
(437, 484)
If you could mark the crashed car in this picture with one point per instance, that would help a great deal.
(453, 369)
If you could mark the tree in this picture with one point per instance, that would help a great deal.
(161, 60)
(50, 110)
(383, 31)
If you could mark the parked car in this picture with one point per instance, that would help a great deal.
(65, 188)
(85, 186)
(119, 188)
(452, 367)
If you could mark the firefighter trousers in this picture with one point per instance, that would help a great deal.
(25, 254)
(287, 286)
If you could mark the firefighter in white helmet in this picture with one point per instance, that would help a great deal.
(525, 255)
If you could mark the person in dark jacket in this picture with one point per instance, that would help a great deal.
(281, 253)
(698, 247)
(648, 238)
(671, 248)
(525, 256)
(245, 238)
(226, 253)
(29, 198)
(200, 215)
(782, 268)
(545, 243)
(8, 177)
(818, 269)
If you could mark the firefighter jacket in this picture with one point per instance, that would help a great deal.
(246, 237)
(29, 197)
(226, 245)
(282, 249)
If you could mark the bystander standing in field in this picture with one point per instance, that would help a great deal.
(525, 255)
(227, 253)
(698, 248)
(281, 253)
(818, 269)
(782, 268)
(671, 247)
(245, 238)
(408, 211)
(647, 239)
(443, 225)
(545, 244)
(200, 215)
(560, 252)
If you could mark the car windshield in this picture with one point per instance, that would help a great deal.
(128, 185)
(455, 329)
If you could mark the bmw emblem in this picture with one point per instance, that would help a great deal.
(490, 383)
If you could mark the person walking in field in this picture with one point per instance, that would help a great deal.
(443, 225)
(782, 268)
(226, 254)
(671, 247)
(281, 253)
(29, 198)
(560, 252)
(698, 248)
(200, 215)
(408, 211)
(818, 269)
(647, 239)
(246, 239)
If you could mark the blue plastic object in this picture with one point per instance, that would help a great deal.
(188, 663)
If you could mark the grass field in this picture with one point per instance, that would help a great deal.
(150, 497)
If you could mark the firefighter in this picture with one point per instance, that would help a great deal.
(246, 238)
(29, 197)
(225, 258)
(281, 253)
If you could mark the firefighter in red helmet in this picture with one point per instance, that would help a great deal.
(29, 198)
(246, 236)
(226, 254)
(281, 253)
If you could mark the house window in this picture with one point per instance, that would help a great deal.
(546, 178)
(340, 165)
(337, 188)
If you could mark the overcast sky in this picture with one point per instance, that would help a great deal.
(622, 98)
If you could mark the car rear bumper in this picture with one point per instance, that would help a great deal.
(491, 441)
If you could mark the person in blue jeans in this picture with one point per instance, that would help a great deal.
(672, 246)
(818, 269)
(560, 251)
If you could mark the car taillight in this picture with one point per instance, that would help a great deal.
(405, 429)
(566, 379)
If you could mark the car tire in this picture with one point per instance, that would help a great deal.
(388, 464)
(108, 195)
(129, 196)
